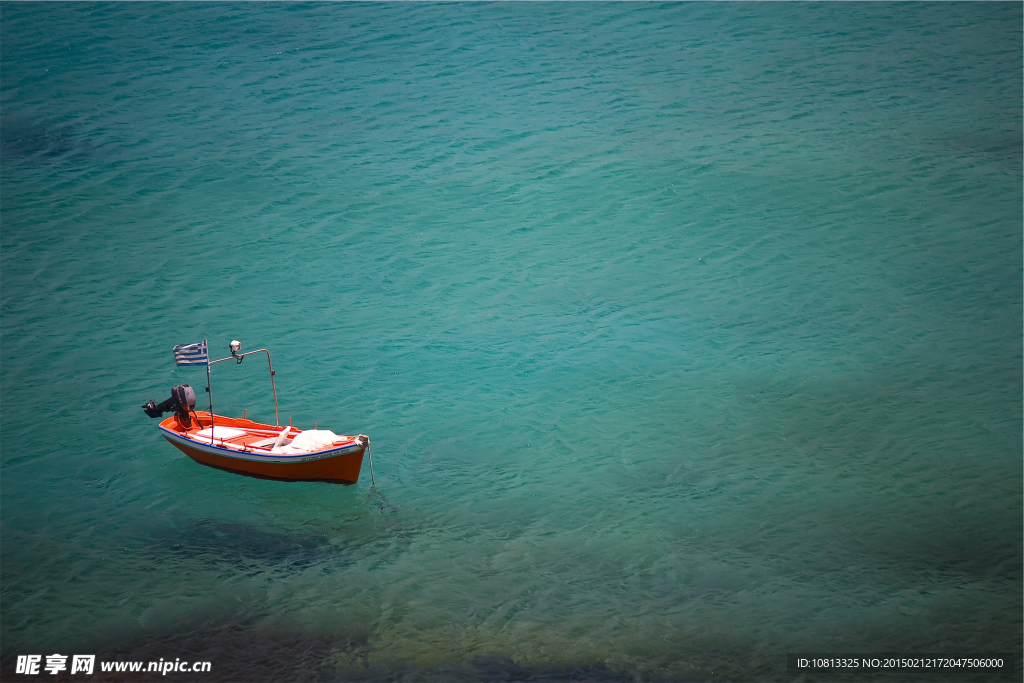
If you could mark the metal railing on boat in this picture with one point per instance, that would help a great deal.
(238, 358)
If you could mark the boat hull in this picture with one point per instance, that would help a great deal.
(337, 464)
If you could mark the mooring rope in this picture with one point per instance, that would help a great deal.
(373, 482)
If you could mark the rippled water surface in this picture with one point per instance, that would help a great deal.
(687, 335)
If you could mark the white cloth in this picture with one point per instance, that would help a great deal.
(307, 442)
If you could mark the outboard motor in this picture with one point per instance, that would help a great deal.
(182, 402)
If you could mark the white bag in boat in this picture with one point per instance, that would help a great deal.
(308, 441)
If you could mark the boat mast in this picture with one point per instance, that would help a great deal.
(209, 391)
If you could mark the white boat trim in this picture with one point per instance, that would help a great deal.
(236, 451)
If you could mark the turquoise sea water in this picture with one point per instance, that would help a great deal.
(687, 335)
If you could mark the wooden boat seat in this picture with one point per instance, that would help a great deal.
(267, 443)
(220, 433)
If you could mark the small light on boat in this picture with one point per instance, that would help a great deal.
(236, 346)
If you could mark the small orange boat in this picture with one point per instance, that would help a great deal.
(251, 448)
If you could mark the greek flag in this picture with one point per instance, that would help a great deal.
(191, 354)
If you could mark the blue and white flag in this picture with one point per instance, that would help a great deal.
(191, 354)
